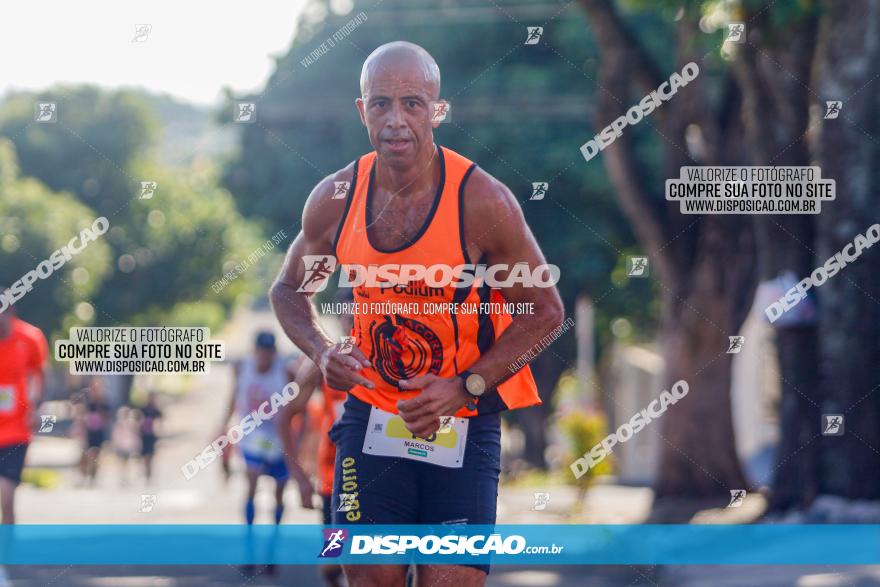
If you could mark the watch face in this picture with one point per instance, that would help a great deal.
(475, 384)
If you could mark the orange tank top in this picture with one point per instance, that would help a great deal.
(406, 344)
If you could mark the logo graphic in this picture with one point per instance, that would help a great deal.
(446, 424)
(539, 190)
(736, 498)
(142, 33)
(541, 501)
(637, 266)
(341, 189)
(147, 504)
(347, 502)
(832, 424)
(47, 423)
(832, 109)
(148, 188)
(736, 32)
(334, 541)
(439, 112)
(346, 344)
(46, 112)
(533, 34)
(318, 270)
(245, 112)
(404, 348)
(736, 344)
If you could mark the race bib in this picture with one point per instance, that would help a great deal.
(266, 444)
(387, 436)
(266, 447)
(7, 399)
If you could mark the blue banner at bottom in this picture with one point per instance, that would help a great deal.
(497, 545)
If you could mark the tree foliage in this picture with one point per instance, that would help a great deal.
(35, 222)
(161, 252)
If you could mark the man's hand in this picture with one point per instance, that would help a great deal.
(440, 397)
(342, 371)
(303, 484)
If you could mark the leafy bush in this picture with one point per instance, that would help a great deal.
(584, 430)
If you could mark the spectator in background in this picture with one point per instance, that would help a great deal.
(94, 414)
(23, 354)
(125, 439)
(150, 417)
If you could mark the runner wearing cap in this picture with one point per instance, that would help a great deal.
(257, 378)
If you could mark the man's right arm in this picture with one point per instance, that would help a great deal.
(294, 309)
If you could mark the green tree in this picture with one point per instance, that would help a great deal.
(759, 103)
(170, 248)
(35, 222)
(164, 250)
(88, 150)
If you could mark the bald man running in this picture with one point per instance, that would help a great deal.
(413, 202)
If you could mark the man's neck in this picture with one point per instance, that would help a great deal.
(414, 179)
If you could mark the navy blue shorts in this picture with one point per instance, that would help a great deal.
(393, 490)
(148, 444)
(12, 461)
(326, 511)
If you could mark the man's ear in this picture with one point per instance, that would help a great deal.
(360, 106)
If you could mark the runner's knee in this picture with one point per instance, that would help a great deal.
(375, 575)
(460, 576)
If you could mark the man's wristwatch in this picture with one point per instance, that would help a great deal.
(474, 386)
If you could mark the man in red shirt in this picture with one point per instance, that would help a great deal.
(23, 353)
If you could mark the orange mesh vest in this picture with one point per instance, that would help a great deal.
(409, 344)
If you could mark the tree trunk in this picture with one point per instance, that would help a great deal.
(847, 150)
(703, 264)
(698, 456)
(771, 69)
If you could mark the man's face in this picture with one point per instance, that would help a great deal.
(96, 390)
(264, 357)
(396, 109)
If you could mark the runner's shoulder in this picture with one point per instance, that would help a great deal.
(322, 212)
(25, 328)
(487, 197)
(29, 332)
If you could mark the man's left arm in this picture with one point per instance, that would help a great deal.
(507, 240)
